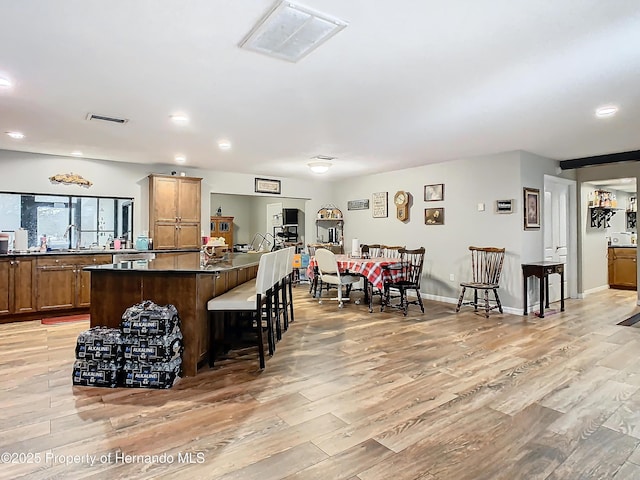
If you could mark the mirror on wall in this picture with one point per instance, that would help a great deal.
(67, 221)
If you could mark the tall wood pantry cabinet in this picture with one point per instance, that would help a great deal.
(174, 211)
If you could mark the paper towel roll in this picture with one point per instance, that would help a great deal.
(355, 247)
(21, 242)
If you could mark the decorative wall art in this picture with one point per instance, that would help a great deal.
(504, 206)
(434, 216)
(531, 208)
(265, 185)
(433, 193)
(70, 179)
(380, 205)
(358, 204)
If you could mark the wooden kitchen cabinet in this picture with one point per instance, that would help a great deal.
(222, 227)
(83, 277)
(174, 211)
(62, 283)
(623, 268)
(18, 274)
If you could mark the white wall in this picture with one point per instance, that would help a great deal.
(30, 172)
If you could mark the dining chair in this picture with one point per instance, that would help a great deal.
(371, 250)
(408, 274)
(330, 274)
(486, 267)
(391, 251)
(315, 280)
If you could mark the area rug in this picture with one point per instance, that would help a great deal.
(631, 321)
(66, 319)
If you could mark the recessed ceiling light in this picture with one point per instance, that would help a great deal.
(224, 144)
(5, 83)
(179, 119)
(180, 158)
(16, 135)
(76, 153)
(607, 111)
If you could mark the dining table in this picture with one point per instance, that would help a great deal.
(375, 271)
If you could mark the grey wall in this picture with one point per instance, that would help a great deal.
(468, 182)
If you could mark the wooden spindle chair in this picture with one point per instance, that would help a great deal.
(486, 267)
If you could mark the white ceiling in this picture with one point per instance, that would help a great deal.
(406, 83)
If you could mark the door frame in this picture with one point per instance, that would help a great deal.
(571, 269)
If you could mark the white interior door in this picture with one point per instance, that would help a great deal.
(556, 233)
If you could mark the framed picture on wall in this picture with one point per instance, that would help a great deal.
(380, 205)
(434, 193)
(531, 208)
(266, 185)
(434, 216)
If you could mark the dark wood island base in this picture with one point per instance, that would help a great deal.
(172, 278)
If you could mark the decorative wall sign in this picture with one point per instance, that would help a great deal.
(531, 208)
(434, 216)
(70, 179)
(358, 204)
(380, 205)
(504, 206)
(433, 193)
(265, 185)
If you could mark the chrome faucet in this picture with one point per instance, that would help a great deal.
(67, 233)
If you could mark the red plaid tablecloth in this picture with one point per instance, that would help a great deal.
(371, 268)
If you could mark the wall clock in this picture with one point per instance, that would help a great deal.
(401, 199)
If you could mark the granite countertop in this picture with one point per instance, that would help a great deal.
(186, 264)
(90, 251)
(622, 246)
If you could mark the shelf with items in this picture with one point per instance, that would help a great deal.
(601, 216)
(603, 199)
(330, 219)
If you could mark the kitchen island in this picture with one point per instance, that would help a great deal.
(176, 279)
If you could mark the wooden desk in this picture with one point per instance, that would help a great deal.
(542, 270)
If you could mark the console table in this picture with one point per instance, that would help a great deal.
(542, 270)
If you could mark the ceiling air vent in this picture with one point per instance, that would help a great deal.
(105, 118)
(289, 32)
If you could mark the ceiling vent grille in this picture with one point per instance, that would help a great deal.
(290, 32)
(106, 118)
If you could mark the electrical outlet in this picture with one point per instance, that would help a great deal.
(452, 277)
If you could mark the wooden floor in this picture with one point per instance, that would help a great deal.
(348, 395)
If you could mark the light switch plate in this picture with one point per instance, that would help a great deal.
(481, 207)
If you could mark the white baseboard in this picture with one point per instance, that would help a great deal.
(438, 298)
(593, 290)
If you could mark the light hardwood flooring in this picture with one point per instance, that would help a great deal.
(348, 395)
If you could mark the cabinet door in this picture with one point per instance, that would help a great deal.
(83, 277)
(24, 272)
(189, 235)
(56, 287)
(189, 200)
(6, 287)
(164, 199)
(165, 235)
(625, 271)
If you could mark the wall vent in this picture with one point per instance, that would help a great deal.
(106, 118)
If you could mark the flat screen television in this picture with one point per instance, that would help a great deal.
(290, 216)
